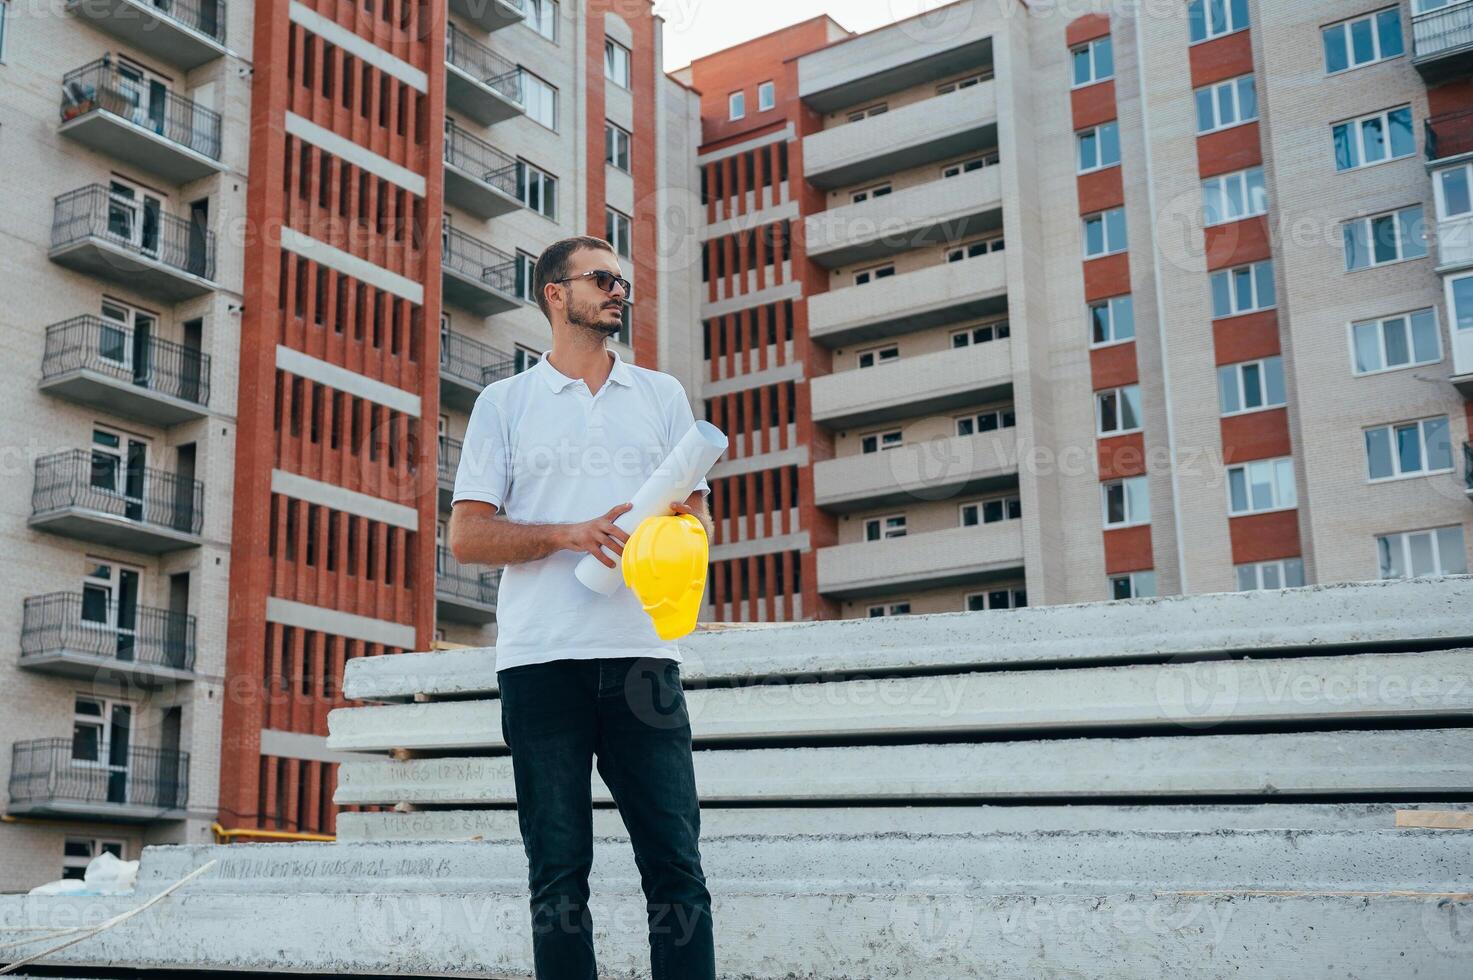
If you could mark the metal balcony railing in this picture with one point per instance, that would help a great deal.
(1468, 466)
(110, 348)
(474, 258)
(449, 459)
(457, 581)
(480, 159)
(1449, 134)
(78, 478)
(103, 85)
(208, 18)
(1442, 30)
(68, 621)
(45, 770)
(95, 211)
(470, 360)
(482, 64)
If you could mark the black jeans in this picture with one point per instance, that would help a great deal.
(630, 712)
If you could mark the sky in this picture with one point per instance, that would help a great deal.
(694, 28)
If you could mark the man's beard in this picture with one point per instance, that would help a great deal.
(591, 318)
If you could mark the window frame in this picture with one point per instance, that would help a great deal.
(876, 359)
(1093, 47)
(1132, 580)
(974, 419)
(1358, 122)
(1379, 323)
(1099, 140)
(1439, 191)
(534, 6)
(1014, 592)
(1125, 483)
(882, 521)
(1103, 218)
(1392, 429)
(612, 132)
(612, 64)
(1245, 184)
(1276, 462)
(1237, 368)
(1235, 85)
(526, 275)
(1232, 279)
(873, 273)
(736, 105)
(527, 171)
(1344, 26)
(612, 219)
(1404, 539)
(882, 443)
(1122, 401)
(959, 167)
(526, 103)
(1257, 568)
(1014, 498)
(770, 88)
(1368, 221)
(885, 610)
(1110, 305)
(1228, 7)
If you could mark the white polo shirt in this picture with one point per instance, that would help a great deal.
(544, 449)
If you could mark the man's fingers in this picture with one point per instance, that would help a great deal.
(598, 552)
(615, 543)
(616, 531)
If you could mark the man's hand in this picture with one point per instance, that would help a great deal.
(593, 536)
(699, 513)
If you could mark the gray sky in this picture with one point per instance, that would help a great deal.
(694, 28)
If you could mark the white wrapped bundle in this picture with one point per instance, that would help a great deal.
(673, 480)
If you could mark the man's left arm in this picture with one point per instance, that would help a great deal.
(679, 419)
(695, 505)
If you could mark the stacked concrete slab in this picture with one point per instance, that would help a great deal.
(1206, 786)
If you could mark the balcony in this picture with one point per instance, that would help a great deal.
(467, 366)
(479, 83)
(182, 33)
(929, 297)
(923, 132)
(488, 15)
(145, 125)
(132, 783)
(110, 367)
(476, 277)
(930, 560)
(448, 465)
(133, 244)
(93, 498)
(937, 469)
(76, 634)
(478, 177)
(922, 384)
(1468, 468)
(870, 66)
(944, 210)
(1442, 42)
(464, 594)
(1449, 142)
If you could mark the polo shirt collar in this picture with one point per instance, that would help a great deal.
(557, 380)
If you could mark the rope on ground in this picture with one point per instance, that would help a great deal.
(87, 932)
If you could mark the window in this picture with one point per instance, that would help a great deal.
(878, 355)
(869, 275)
(1093, 62)
(522, 358)
(1453, 186)
(736, 105)
(1363, 41)
(973, 249)
(526, 275)
(1460, 303)
(537, 189)
(893, 609)
(1395, 342)
(993, 511)
(1251, 385)
(1014, 598)
(4, 26)
(616, 147)
(1374, 139)
(1104, 233)
(1226, 104)
(1111, 321)
(539, 99)
(1118, 410)
(1234, 196)
(865, 113)
(1245, 289)
(1099, 147)
(616, 63)
(1438, 551)
(967, 166)
(1133, 585)
(946, 88)
(78, 852)
(989, 421)
(1286, 573)
(766, 96)
(981, 334)
(879, 528)
(1409, 449)
(1384, 238)
(1262, 485)
(877, 441)
(1214, 18)
(879, 190)
(617, 232)
(541, 16)
(1126, 502)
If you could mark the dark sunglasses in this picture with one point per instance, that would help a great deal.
(604, 279)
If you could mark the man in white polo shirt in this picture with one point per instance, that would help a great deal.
(551, 457)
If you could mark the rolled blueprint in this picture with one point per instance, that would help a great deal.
(673, 480)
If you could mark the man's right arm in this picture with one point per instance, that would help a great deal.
(481, 536)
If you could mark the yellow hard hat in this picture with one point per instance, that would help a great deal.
(664, 564)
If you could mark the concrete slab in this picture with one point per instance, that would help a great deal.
(1197, 696)
(1427, 763)
(1358, 615)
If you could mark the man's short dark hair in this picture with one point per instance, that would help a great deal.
(552, 264)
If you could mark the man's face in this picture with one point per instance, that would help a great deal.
(589, 306)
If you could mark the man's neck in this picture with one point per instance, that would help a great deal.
(592, 362)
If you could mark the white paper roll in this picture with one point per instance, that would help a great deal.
(673, 480)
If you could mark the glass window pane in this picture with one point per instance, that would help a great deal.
(1410, 222)
(1122, 311)
(1227, 389)
(1099, 320)
(1104, 58)
(1389, 557)
(1226, 112)
(1388, 26)
(1115, 228)
(1383, 237)
(1252, 387)
(1402, 143)
(1373, 140)
(1130, 407)
(1222, 301)
(1110, 143)
(1451, 553)
(1357, 252)
(1114, 503)
(1362, 44)
(1409, 448)
(1240, 14)
(1419, 548)
(1206, 119)
(1263, 279)
(1462, 290)
(1139, 499)
(1108, 420)
(1367, 340)
(1247, 99)
(1081, 66)
(1260, 486)
(1088, 150)
(1238, 490)
(1335, 54)
(1094, 236)
(1424, 336)
(1270, 573)
(1247, 578)
(1293, 573)
(1145, 585)
(1284, 483)
(1397, 350)
(1455, 197)
(1439, 444)
(1273, 381)
(1243, 289)
(1378, 453)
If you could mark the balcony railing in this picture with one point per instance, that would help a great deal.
(94, 344)
(67, 622)
(45, 771)
(1449, 134)
(481, 160)
(1468, 466)
(95, 212)
(1442, 31)
(474, 258)
(472, 361)
(78, 479)
(482, 64)
(102, 85)
(207, 17)
(449, 459)
(457, 581)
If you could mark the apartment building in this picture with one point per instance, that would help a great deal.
(1088, 307)
(269, 246)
